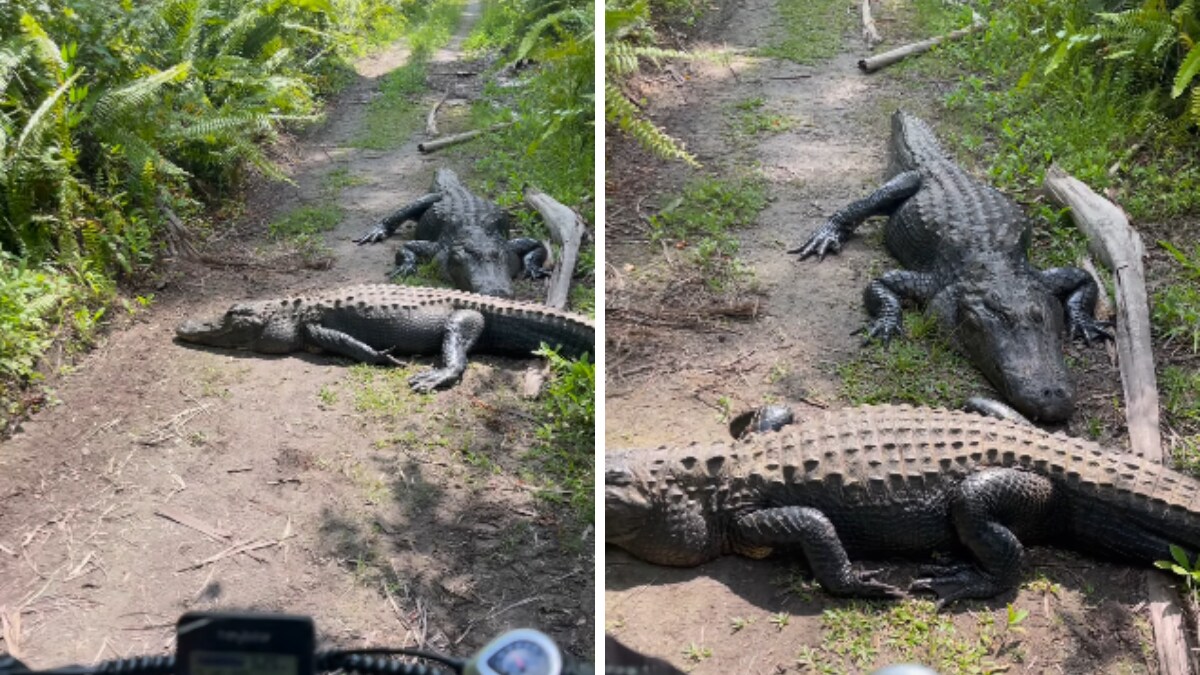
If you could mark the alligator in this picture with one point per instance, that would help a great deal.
(372, 323)
(965, 245)
(466, 235)
(883, 481)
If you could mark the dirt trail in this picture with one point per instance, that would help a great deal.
(394, 519)
(664, 381)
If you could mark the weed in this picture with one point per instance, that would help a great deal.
(799, 583)
(696, 653)
(780, 620)
(327, 395)
(808, 30)
(749, 119)
(306, 221)
(703, 218)
(384, 393)
(739, 623)
(566, 436)
(339, 179)
(1188, 570)
(922, 370)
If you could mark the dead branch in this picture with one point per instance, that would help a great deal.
(1119, 247)
(567, 230)
(431, 119)
(455, 139)
(870, 33)
(887, 58)
(1170, 638)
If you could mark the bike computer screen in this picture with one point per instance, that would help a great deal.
(216, 643)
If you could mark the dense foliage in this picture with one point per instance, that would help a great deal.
(119, 120)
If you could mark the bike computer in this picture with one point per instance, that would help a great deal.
(222, 643)
(519, 652)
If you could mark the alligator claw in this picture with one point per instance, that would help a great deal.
(400, 271)
(434, 378)
(863, 584)
(536, 273)
(375, 235)
(957, 582)
(1090, 330)
(879, 329)
(827, 239)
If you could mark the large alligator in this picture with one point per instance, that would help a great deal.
(965, 246)
(372, 323)
(885, 481)
(466, 235)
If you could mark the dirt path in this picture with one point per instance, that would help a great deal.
(392, 518)
(736, 615)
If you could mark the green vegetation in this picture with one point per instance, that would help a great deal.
(1189, 571)
(1176, 308)
(118, 117)
(918, 367)
(566, 447)
(702, 219)
(396, 113)
(697, 653)
(749, 118)
(808, 30)
(861, 636)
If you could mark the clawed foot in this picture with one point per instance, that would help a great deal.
(375, 235)
(536, 272)
(1090, 330)
(863, 585)
(880, 329)
(401, 271)
(434, 378)
(956, 582)
(827, 239)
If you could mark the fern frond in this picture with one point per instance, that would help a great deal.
(1187, 71)
(619, 110)
(137, 94)
(557, 20)
(31, 136)
(48, 51)
(1194, 106)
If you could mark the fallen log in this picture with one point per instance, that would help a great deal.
(1119, 247)
(1115, 243)
(455, 139)
(567, 230)
(870, 33)
(874, 63)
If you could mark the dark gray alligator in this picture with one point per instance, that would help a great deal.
(964, 244)
(886, 481)
(466, 235)
(372, 323)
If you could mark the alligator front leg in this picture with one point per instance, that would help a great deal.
(830, 236)
(341, 343)
(409, 254)
(1077, 290)
(812, 531)
(986, 509)
(462, 330)
(883, 298)
(387, 225)
(533, 255)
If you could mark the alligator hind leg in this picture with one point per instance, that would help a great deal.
(463, 329)
(883, 298)
(812, 531)
(533, 255)
(409, 254)
(1077, 290)
(830, 236)
(387, 225)
(989, 508)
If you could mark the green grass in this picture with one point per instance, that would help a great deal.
(808, 31)
(1176, 308)
(703, 220)
(384, 393)
(306, 221)
(748, 118)
(859, 637)
(918, 367)
(565, 453)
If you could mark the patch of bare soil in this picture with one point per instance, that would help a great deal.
(677, 367)
(170, 479)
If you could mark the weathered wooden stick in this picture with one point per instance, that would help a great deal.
(870, 33)
(566, 228)
(431, 119)
(887, 58)
(1119, 247)
(455, 139)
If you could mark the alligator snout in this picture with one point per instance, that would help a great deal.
(1042, 402)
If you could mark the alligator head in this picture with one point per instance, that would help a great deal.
(255, 326)
(1012, 331)
(647, 514)
(482, 265)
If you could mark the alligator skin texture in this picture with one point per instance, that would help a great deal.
(466, 235)
(373, 323)
(964, 246)
(888, 481)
